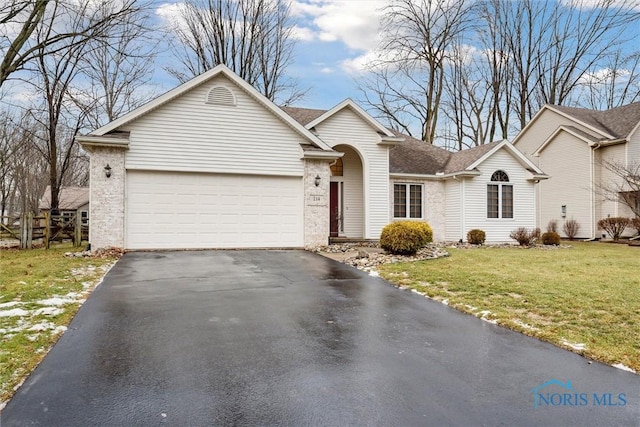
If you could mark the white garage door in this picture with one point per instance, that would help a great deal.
(188, 210)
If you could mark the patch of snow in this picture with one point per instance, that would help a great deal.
(13, 313)
(577, 346)
(22, 282)
(492, 321)
(445, 301)
(56, 301)
(33, 337)
(42, 326)
(374, 273)
(483, 313)
(525, 325)
(9, 304)
(48, 311)
(624, 367)
(59, 329)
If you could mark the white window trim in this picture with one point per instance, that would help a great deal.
(407, 201)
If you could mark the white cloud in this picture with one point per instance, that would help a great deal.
(302, 33)
(354, 23)
(170, 13)
(604, 76)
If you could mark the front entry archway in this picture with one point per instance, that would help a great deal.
(346, 196)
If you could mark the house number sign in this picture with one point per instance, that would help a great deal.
(316, 200)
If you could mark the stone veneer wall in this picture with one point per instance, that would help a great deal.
(316, 203)
(434, 205)
(106, 204)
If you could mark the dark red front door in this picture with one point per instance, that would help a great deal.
(333, 209)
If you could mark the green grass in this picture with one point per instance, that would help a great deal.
(27, 279)
(588, 294)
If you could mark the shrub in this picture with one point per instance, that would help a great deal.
(405, 237)
(552, 226)
(550, 238)
(571, 228)
(524, 236)
(476, 236)
(635, 223)
(614, 226)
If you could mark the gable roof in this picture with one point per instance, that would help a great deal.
(412, 156)
(617, 122)
(196, 81)
(613, 124)
(70, 198)
(348, 103)
(303, 116)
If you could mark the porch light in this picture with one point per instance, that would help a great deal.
(317, 180)
(563, 210)
(107, 171)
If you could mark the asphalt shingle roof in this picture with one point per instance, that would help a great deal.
(618, 122)
(412, 156)
(70, 198)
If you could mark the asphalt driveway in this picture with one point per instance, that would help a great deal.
(292, 338)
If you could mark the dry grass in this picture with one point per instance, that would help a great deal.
(40, 292)
(585, 298)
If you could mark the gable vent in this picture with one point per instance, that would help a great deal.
(220, 95)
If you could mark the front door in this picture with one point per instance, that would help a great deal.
(334, 209)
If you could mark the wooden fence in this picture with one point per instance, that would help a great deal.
(29, 228)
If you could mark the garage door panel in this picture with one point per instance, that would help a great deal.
(182, 210)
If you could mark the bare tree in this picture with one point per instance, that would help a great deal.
(23, 172)
(551, 45)
(21, 20)
(116, 76)
(408, 78)
(611, 84)
(252, 37)
(624, 188)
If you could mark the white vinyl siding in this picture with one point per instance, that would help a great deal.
(346, 127)
(474, 198)
(633, 148)
(570, 186)
(187, 134)
(540, 130)
(453, 225)
(168, 210)
(352, 195)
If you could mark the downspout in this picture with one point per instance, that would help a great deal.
(592, 195)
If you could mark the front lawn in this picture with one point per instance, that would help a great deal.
(585, 298)
(40, 292)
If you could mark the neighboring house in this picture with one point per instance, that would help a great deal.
(214, 164)
(71, 201)
(570, 145)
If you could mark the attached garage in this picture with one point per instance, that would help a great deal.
(170, 210)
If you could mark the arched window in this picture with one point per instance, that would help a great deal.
(337, 168)
(499, 196)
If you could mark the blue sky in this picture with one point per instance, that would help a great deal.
(333, 38)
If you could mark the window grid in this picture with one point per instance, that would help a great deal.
(499, 196)
(407, 201)
(399, 201)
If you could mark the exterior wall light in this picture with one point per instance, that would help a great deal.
(107, 171)
(564, 211)
(317, 180)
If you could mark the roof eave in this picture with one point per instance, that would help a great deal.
(391, 140)
(607, 143)
(89, 141)
(436, 176)
(321, 155)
